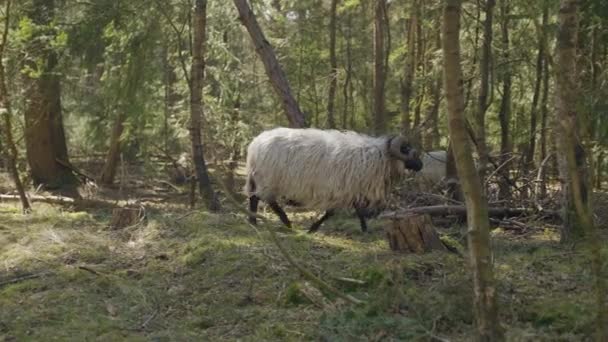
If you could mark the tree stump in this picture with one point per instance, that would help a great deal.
(126, 216)
(414, 234)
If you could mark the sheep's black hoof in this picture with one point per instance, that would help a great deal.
(313, 229)
(253, 221)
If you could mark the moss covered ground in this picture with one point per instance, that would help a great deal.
(194, 276)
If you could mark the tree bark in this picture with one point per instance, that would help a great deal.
(379, 67)
(436, 210)
(407, 89)
(577, 214)
(171, 96)
(451, 176)
(541, 192)
(504, 114)
(484, 85)
(432, 132)
(108, 173)
(599, 172)
(348, 88)
(420, 66)
(566, 124)
(44, 133)
(333, 65)
(414, 233)
(485, 306)
(196, 105)
(10, 152)
(529, 158)
(271, 64)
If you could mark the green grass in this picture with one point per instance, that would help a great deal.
(211, 277)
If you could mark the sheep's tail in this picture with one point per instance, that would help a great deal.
(249, 184)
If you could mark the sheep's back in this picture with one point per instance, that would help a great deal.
(319, 169)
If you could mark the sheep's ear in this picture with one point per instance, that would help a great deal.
(389, 140)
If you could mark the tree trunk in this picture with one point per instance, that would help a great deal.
(540, 57)
(484, 85)
(196, 105)
(379, 67)
(108, 173)
(44, 133)
(431, 136)
(485, 306)
(566, 123)
(347, 90)
(414, 233)
(271, 64)
(171, 97)
(432, 133)
(333, 73)
(10, 152)
(541, 192)
(504, 114)
(577, 215)
(599, 172)
(421, 73)
(409, 74)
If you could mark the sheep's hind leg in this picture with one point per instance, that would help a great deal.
(280, 213)
(253, 208)
(315, 226)
(361, 215)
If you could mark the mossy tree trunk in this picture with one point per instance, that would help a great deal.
(504, 113)
(196, 104)
(407, 82)
(431, 136)
(333, 65)
(485, 306)
(10, 152)
(108, 172)
(44, 134)
(484, 86)
(540, 60)
(577, 214)
(379, 66)
(271, 64)
(414, 234)
(574, 177)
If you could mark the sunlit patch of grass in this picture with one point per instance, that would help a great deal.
(183, 275)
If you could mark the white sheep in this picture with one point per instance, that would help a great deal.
(324, 169)
(434, 171)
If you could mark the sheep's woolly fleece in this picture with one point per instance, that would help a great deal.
(320, 169)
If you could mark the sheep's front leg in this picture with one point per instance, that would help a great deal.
(253, 208)
(361, 215)
(315, 226)
(280, 213)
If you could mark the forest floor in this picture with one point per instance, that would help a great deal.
(182, 275)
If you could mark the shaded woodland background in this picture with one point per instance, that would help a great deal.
(111, 105)
(117, 76)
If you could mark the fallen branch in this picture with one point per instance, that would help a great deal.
(38, 198)
(88, 269)
(144, 325)
(74, 169)
(22, 278)
(461, 210)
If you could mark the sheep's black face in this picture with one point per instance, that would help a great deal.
(399, 148)
(413, 164)
(413, 161)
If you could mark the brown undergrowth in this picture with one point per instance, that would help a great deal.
(190, 276)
